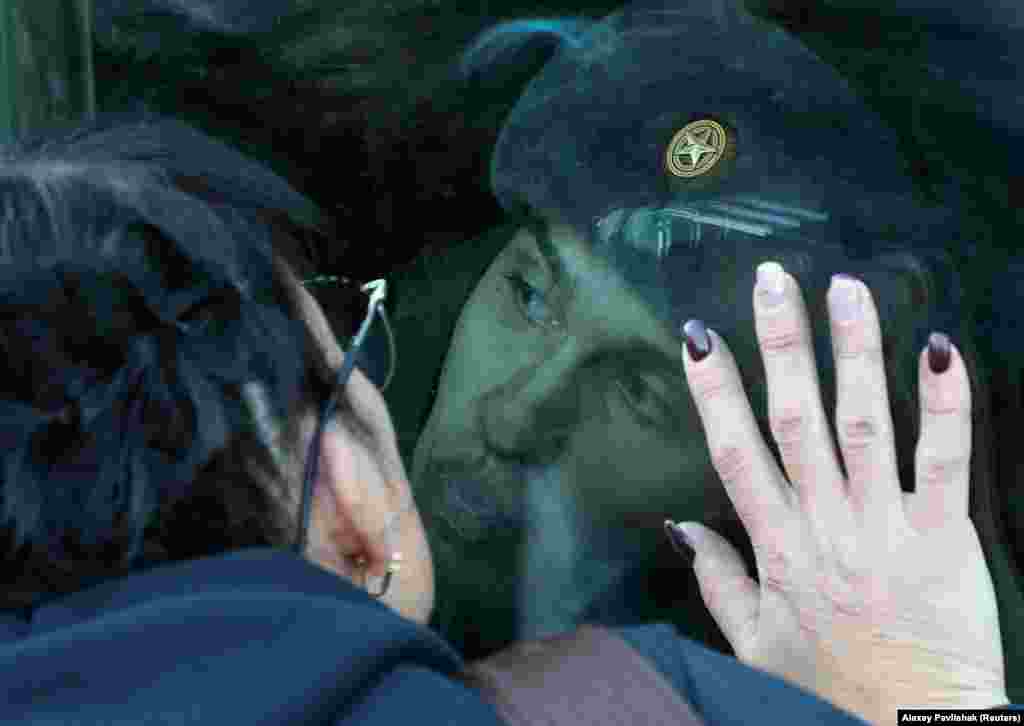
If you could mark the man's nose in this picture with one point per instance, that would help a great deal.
(534, 412)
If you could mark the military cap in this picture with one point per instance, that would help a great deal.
(717, 116)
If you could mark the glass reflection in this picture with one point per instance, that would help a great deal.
(562, 433)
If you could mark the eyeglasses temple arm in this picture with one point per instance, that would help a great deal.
(378, 291)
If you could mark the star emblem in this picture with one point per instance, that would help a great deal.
(696, 148)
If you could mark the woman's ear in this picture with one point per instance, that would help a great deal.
(352, 508)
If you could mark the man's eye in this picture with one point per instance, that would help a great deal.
(531, 301)
(643, 400)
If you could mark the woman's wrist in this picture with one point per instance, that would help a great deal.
(878, 699)
(884, 713)
(876, 676)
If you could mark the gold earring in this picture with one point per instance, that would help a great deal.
(393, 566)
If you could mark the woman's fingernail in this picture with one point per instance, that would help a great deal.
(938, 353)
(698, 342)
(771, 284)
(680, 543)
(844, 298)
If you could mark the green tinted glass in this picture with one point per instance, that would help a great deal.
(46, 71)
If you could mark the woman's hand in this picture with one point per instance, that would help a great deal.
(870, 597)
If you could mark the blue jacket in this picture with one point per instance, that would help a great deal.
(260, 636)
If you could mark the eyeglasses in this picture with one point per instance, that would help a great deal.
(336, 296)
(343, 302)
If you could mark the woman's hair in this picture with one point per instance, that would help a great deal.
(148, 346)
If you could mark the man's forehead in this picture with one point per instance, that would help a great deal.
(601, 296)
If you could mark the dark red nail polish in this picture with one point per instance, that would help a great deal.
(679, 542)
(698, 342)
(938, 353)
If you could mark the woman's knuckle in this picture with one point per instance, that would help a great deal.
(710, 386)
(858, 432)
(942, 407)
(733, 463)
(722, 591)
(859, 351)
(942, 398)
(789, 426)
(782, 341)
(938, 467)
(843, 591)
(776, 569)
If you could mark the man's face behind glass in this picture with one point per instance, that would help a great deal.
(561, 438)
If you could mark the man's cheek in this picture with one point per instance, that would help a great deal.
(483, 358)
(629, 477)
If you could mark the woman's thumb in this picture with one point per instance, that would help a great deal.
(730, 594)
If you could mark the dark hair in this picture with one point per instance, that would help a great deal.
(141, 299)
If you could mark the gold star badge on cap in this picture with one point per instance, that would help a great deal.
(697, 148)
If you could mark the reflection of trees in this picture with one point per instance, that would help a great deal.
(46, 72)
(356, 103)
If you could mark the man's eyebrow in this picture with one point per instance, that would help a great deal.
(658, 356)
(641, 353)
(541, 230)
